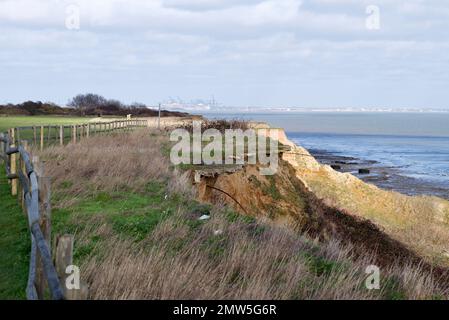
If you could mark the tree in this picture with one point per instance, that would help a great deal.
(87, 102)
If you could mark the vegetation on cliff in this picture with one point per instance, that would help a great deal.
(138, 235)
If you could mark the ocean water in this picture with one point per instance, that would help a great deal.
(414, 145)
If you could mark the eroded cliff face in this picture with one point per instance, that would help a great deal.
(274, 198)
(305, 195)
(420, 222)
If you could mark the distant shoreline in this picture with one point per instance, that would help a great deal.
(383, 176)
(299, 111)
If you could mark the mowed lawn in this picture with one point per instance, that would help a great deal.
(7, 122)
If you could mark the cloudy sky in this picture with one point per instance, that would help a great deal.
(305, 53)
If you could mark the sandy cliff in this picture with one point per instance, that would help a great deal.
(306, 195)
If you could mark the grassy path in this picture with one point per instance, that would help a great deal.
(14, 244)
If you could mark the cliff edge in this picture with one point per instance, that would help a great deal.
(306, 195)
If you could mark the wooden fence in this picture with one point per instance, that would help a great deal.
(29, 183)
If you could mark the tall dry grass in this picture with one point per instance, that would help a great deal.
(111, 163)
(243, 261)
(220, 258)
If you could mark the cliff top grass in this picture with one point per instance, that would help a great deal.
(7, 122)
(137, 231)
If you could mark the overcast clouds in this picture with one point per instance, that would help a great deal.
(268, 53)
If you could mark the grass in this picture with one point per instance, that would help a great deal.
(14, 244)
(7, 122)
(137, 235)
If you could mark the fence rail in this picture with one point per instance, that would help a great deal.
(29, 184)
(63, 134)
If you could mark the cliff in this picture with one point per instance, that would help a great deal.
(305, 195)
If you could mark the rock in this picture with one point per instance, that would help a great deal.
(218, 232)
(204, 217)
(336, 167)
(364, 171)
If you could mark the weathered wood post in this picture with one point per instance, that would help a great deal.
(44, 186)
(34, 135)
(87, 130)
(61, 135)
(18, 135)
(63, 260)
(24, 144)
(159, 118)
(42, 138)
(13, 162)
(19, 171)
(49, 135)
(74, 133)
(2, 146)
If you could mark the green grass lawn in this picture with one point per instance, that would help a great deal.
(17, 121)
(14, 244)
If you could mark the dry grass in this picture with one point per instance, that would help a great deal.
(245, 261)
(226, 257)
(219, 124)
(110, 163)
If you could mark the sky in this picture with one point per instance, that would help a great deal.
(296, 53)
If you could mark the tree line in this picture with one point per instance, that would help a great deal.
(88, 104)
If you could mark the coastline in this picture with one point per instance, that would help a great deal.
(382, 176)
(408, 164)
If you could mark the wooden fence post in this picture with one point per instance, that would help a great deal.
(61, 135)
(63, 259)
(42, 138)
(19, 170)
(44, 186)
(48, 135)
(74, 133)
(87, 130)
(2, 146)
(13, 162)
(34, 135)
(24, 144)
(45, 225)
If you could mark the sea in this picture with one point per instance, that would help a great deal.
(406, 152)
